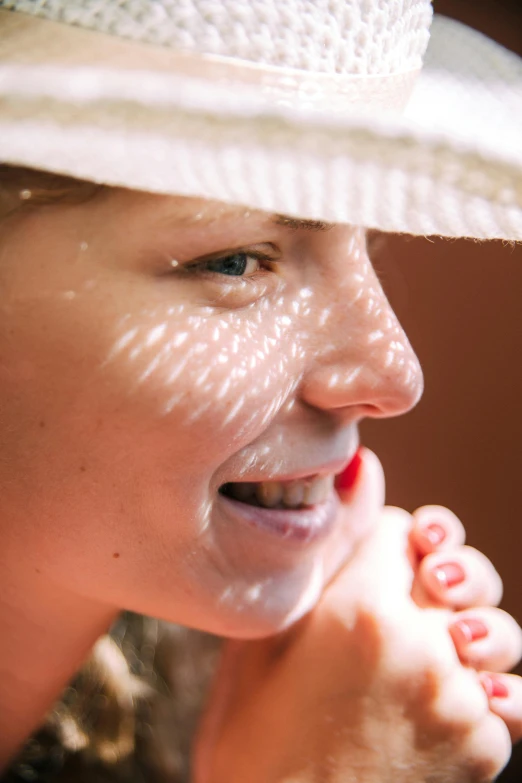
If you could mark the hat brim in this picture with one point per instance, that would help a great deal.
(450, 165)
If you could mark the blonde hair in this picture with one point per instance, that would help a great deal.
(130, 713)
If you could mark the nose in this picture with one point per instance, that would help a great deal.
(362, 363)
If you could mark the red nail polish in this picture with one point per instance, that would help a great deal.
(470, 629)
(495, 688)
(346, 480)
(435, 533)
(449, 574)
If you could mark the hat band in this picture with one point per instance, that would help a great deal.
(61, 59)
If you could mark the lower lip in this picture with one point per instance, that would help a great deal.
(297, 526)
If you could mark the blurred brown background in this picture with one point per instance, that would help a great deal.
(461, 305)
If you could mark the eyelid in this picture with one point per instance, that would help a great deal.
(265, 251)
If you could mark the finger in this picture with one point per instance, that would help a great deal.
(361, 507)
(436, 528)
(483, 738)
(488, 748)
(366, 487)
(504, 692)
(460, 578)
(487, 638)
(381, 573)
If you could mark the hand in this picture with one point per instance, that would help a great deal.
(369, 686)
(485, 638)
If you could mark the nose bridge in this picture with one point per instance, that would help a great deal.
(363, 356)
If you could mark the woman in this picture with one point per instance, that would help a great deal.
(211, 377)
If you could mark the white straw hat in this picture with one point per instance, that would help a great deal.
(310, 108)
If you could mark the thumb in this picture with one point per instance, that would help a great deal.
(384, 559)
(374, 538)
(362, 500)
(381, 572)
(364, 494)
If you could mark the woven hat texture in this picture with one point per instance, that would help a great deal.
(294, 127)
(330, 36)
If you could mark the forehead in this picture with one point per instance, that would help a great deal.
(206, 213)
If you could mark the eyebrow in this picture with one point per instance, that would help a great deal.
(300, 224)
(286, 221)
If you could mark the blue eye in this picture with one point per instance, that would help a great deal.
(234, 266)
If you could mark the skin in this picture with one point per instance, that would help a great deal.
(345, 692)
(215, 380)
(159, 355)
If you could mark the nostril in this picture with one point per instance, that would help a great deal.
(398, 395)
(378, 385)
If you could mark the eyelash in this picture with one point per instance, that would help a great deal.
(205, 266)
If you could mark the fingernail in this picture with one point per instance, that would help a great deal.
(345, 480)
(470, 629)
(495, 688)
(449, 574)
(435, 533)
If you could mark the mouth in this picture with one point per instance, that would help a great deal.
(296, 494)
(300, 511)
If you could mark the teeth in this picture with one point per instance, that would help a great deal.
(284, 494)
(293, 494)
(269, 493)
(318, 490)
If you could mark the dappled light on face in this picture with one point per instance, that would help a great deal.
(209, 362)
(352, 375)
(155, 334)
(364, 356)
(301, 595)
(126, 338)
(173, 385)
(241, 367)
(324, 315)
(204, 516)
(241, 596)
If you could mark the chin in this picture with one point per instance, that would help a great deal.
(269, 606)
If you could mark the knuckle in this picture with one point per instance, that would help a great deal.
(397, 516)
(477, 556)
(482, 576)
(488, 749)
(443, 516)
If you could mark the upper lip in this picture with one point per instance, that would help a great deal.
(287, 460)
(334, 467)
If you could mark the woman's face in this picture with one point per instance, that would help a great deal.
(180, 382)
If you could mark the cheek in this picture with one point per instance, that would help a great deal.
(226, 374)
